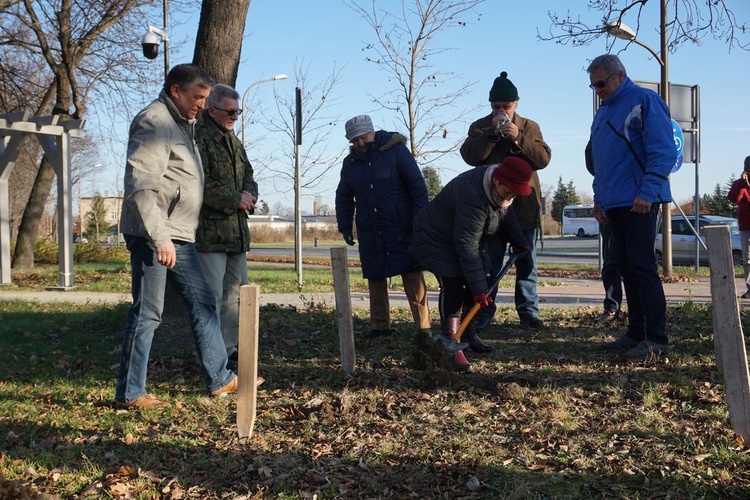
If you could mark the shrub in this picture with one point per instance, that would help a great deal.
(45, 252)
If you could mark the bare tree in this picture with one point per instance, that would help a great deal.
(281, 210)
(78, 50)
(405, 49)
(691, 21)
(317, 154)
(220, 31)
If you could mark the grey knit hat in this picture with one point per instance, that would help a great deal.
(359, 125)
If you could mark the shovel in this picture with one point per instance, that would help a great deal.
(495, 281)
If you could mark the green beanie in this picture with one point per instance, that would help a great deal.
(503, 89)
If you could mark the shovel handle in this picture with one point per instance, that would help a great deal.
(477, 306)
(466, 320)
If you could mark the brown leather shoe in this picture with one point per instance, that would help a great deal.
(232, 387)
(607, 317)
(147, 402)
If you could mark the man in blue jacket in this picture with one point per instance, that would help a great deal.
(632, 146)
(382, 188)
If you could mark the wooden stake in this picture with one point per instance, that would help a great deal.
(247, 392)
(729, 341)
(343, 296)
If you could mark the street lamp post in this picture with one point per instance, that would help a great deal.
(280, 76)
(624, 32)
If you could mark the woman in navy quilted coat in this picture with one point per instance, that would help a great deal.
(382, 189)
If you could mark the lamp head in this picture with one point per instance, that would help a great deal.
(619, 30)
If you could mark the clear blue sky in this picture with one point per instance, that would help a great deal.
(551, 79)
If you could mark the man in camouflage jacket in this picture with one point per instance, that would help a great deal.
(230, 194)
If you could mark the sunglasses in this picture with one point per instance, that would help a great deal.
(601, 83)
(230, 112)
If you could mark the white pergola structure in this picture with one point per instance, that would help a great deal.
(54, 137)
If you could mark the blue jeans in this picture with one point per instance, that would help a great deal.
(525, 295)
(610, 275)
(226, 273)
(633, 239)
(149, 281)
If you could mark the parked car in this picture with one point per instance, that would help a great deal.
(683, 239)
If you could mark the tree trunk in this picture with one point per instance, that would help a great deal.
(23, 257)
(218, 42)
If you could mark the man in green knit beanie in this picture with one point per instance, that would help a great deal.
(490, 140)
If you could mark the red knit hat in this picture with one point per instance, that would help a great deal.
(514, 173)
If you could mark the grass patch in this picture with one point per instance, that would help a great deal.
(545, 415)
(280, 277)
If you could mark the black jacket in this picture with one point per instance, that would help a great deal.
(451, 232)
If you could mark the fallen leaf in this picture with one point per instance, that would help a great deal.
(118, 489)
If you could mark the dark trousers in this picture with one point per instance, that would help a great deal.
(633, 239)
(610, 275)
(455, 298)
(525, 294)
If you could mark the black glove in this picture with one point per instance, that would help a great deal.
(525, 248)
(349, 238)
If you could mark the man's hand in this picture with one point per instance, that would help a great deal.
(510, 130)
(600, 215)
(348, 238)
(640, 206)
(247, 202)
(507, 130)
(482, 299)
(166, 255)
(522, 249)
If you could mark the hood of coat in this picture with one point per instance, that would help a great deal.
(383, 142)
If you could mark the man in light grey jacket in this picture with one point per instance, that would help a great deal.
(162, 200)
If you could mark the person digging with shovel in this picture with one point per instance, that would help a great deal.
(450, 239)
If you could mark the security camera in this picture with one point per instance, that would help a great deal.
(150, 44)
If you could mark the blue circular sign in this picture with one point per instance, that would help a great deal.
(679, 142)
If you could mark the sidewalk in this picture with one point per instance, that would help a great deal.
(553, 292)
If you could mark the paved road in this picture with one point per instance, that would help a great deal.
(553, 292)
(558, 250)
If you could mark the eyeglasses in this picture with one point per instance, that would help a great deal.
(230, 112)
(497, 105)
(601, 83)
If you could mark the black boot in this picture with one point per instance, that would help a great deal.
(448, 329)
(475, 343)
